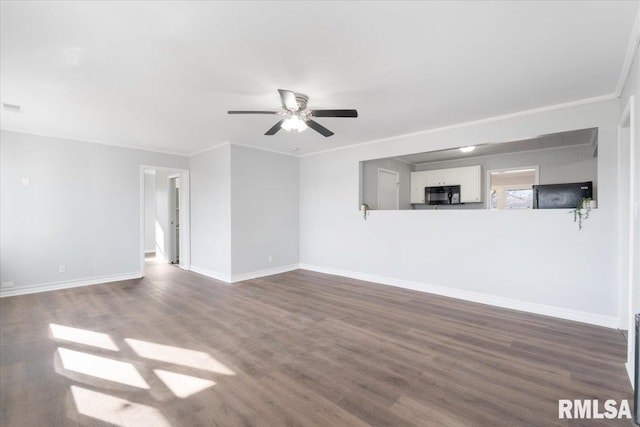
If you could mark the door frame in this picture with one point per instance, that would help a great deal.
(185, 216)
(397, 174)
(172, 212)
(627, 120)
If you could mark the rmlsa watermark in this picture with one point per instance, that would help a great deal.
(592, 409)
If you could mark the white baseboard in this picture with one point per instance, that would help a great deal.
(243, 276)
(562, 313)
(210, 273)
(54, 286)
(262, 273)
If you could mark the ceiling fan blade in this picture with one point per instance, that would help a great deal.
(251, 112)
(334, 113)
(275, 128)
(288, 98)
(318, 127)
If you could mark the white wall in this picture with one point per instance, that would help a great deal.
(81, 209)
(632, 88)
(150, 211)
(211, 212)
(548, 265)
(264, 210)
(245, 208)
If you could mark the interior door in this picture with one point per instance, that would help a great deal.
(388, 190)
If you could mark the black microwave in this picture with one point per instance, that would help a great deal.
(443, 195)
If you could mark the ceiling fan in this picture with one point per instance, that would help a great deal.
(296, 116)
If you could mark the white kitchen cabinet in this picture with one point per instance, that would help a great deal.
(418, 182)
(440, 177)
(434, 178)
(470, 178)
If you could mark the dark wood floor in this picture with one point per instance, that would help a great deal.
(299, 348)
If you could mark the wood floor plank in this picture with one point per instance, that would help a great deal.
(295, 349)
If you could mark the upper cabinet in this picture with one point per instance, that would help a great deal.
(418, 183)
(468, 178)
(440, 177)
(470, 184)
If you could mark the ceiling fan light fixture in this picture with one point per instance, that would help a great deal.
(294, 123)
(468, 149)
(295, 116)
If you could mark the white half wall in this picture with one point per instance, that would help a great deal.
(80, 209)
(544, 259)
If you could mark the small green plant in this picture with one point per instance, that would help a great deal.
(581, 212)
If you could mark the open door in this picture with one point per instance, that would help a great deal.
(171, 225)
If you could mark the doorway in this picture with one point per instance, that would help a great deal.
(388, 190)
(174, 213)
(164, 216)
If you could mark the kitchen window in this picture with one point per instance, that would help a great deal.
(512, 188)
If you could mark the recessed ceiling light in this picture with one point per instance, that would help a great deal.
(295, 148)
(468, 149)
(11, 107)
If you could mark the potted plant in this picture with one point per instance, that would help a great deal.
(581, 212)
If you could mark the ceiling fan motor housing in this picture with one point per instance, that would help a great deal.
(302, 101)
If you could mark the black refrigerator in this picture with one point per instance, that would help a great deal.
(561, 196)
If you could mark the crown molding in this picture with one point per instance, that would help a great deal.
(237, 144)
(204, 150)
(475, 122)
(89, 141)
(375, 141)
(264, 149)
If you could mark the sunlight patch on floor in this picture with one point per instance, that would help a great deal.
(114, 410)
(178, 355)
(160, 243)
(82, 336)
(182, 385)
(101, 367)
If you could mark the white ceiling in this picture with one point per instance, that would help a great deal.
(161, 75)
(555, 140)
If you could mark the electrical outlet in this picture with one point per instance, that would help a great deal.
(7, 284)
(62, 268)
(270, 259)
(26, 182)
